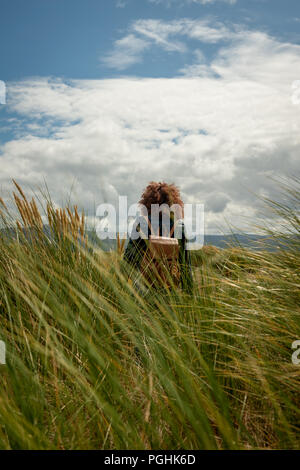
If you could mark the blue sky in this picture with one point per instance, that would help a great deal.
(67, 38)
(113, 93)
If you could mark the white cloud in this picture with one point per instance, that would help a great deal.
(127, 51)
(254, 56)
(159, 32)
(204, 30)
(121, 4)
(208, 32)
(142, 34)
(217, 138)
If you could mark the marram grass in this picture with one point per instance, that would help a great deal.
(93, 364)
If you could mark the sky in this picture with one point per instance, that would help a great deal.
(104, 96)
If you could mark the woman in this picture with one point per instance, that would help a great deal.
(166, 224)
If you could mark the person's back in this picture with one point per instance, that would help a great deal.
(160, 263)
(159, 250)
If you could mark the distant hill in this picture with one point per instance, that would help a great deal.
(250, 241)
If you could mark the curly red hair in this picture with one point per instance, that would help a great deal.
(161, 193)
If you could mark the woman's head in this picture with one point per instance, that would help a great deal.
(161, 193)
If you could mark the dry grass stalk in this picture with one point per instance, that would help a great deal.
(120, 244)
(64, 223)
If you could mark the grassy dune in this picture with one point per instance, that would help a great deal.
(92, 364)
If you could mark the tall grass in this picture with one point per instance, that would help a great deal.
(93, 364)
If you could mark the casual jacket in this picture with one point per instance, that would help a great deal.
(136, 249)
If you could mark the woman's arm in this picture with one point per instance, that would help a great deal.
(186, 273)
(134, 252)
